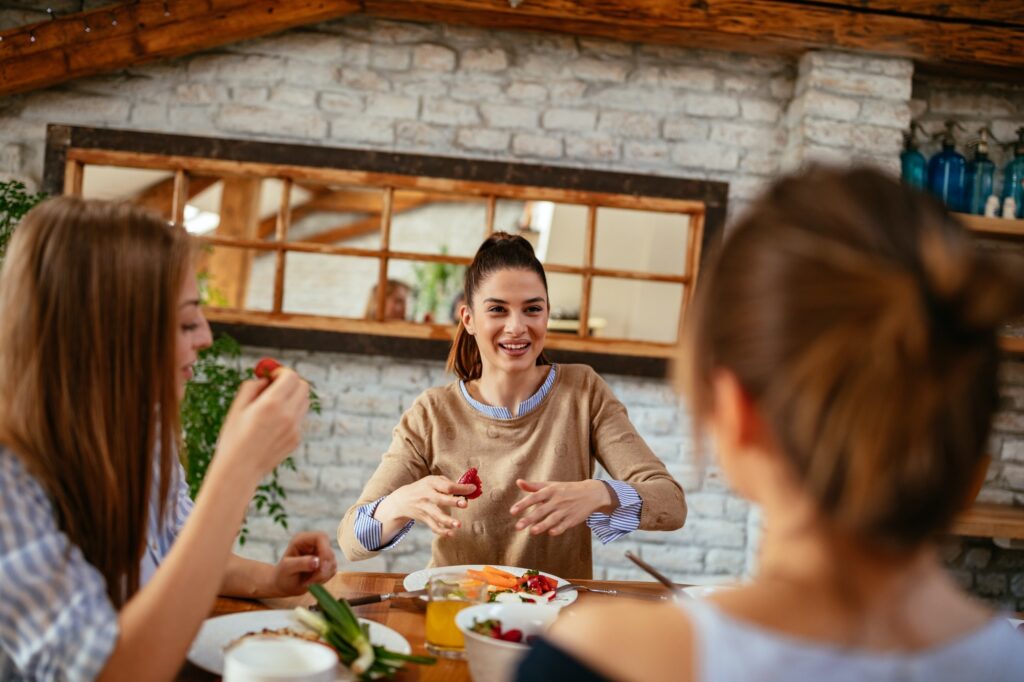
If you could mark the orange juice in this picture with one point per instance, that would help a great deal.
(441, 631)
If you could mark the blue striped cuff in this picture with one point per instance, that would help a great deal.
(624, 520)
(368, 529)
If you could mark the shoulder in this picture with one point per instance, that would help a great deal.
(581, 377)
(657, 637)
(436, 397)
(20, 493)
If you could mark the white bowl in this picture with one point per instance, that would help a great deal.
(280, 659)
(495, 660)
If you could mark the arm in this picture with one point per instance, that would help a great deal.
(308, 559)
(158, 623)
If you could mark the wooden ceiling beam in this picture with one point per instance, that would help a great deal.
(159, 196)
(366, 225)
(54, 51)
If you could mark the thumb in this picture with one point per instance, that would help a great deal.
(299, 564)
(530, 486)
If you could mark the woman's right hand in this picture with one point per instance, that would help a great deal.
(425, 501)
(264, 424)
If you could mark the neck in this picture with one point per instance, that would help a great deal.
(508, 389)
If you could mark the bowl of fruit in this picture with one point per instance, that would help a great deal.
(499, 635)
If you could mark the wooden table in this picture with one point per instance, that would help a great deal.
(406, 616)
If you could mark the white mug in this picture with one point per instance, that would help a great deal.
(280, 659)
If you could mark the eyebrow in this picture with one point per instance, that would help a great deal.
(193, 301)
(538, 299)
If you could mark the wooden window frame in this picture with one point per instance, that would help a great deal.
(71, 148)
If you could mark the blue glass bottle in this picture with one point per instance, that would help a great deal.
(913, 167)
(947, 171)
(1013, 177)
(981, 174)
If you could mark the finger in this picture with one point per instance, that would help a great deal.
(248, 392)
(531, 486)
(530, 500)
(536, 515)
(547, 523)
(448, 501)
(328, 567)
(439, 517)
(299, 564)
(455, 488)
(562, 526)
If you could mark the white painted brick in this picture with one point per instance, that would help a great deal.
(746, 135)
(257, 551)
(149, 116)
(568, 92)
(707, 505)
(200, 93)
(247, 94)
(273, 122)
(390, 57)
(508, 116)
(10, 158)
(533, 92)
(712, 105)
(674, 559)
(313, 74)
(369, 401)
(392, 106)
(860, 84)
(288, 95)
(887, 113)
(760, 162)
(1014, 477)
(396, 32)
(422, 135)
(340, 102)
(646, 152)
(593, 148)
(686, 129)
(715, 533)
(740, 83)
(689, 77)
(319, 454)
(600, 70)
(826, 105)
(449, 113)
(1013, 450)
(628, 124)
(363, 80)
(476, 90)
(542, 65)
(302, 480)
(736, 509)
(433, 58)
(347, 478)
(569, 119)
(605, 48)
(724, 561)
(537, 145)
(315, 427)
(760, 110)
(374, 130)
(781, 87)
(485, 59)
(483, 139)
(54, 106)
(705, 155)
(195, 120)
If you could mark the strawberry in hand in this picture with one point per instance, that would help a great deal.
(266, 368)
(471, 477)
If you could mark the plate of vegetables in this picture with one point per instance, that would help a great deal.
(367, 649)
(505, 584)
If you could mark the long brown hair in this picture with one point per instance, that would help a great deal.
(500, 251)
(88, 296)
(861, 320)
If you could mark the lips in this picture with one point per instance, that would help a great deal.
(514, 348)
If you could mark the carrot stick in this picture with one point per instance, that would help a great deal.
(499, 572)
(490, 579)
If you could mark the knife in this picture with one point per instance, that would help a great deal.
(375, 598)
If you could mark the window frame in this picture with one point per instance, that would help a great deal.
(71, 148)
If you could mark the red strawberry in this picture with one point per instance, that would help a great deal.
(266, 368)
(512, 635)
(471, 477)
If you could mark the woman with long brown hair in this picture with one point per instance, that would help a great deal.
(843, 356)
(101, 327)
(533, 431)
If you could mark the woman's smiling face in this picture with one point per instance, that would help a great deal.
(508, 317)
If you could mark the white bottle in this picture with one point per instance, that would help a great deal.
(992, 206)
(1009, 208)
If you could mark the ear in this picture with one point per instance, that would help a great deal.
(737, 422)
(466, 315)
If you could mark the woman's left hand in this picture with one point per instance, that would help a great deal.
(308, 559)
(554, 507)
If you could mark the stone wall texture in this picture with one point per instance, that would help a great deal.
(538, 98)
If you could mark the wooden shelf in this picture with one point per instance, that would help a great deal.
(991, 521)
(995, 227)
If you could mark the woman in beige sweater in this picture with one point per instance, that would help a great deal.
(534, 431)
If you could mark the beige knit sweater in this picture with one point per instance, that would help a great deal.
(578, 424)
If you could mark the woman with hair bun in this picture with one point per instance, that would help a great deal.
(843, 356)
(533, 431)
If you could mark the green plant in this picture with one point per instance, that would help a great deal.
(436, 287)
(218, 374)
(15, 202)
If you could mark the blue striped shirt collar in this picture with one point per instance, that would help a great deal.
(525, 407)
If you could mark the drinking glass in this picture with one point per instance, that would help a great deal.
(447, 594)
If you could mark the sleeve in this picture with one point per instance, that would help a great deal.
(547, 663)
(406, 461)
(618, 447)
(625, 519)
(180, 502)
(56, 621)
(368, 529)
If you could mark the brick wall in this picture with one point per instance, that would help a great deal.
(542, 98)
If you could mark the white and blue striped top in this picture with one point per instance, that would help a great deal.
(607, 527)
(56, 621)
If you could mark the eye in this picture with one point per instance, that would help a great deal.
(535, 309)
(496, 309)
(189, 327)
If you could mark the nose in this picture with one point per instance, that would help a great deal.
(203, 337)
(515, 323)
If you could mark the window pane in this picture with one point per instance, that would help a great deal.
(645, 241)
(153, 189)
(565, 293)
(635, 310)
(232, 277)
(337, 286)
(435, 222)
(557, 231)
(427, 292)
(341, 215)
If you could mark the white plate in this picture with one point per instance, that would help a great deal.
(207, 650)
(702, 591)
(418, 579)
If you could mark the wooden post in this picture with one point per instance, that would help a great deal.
(385, 246)
(492, 202)
(283, 223)
(694, 239)
(179, 197)
(73, 172)
(588, 271)
(230, 268)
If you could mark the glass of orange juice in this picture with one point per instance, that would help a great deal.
(447, 594)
